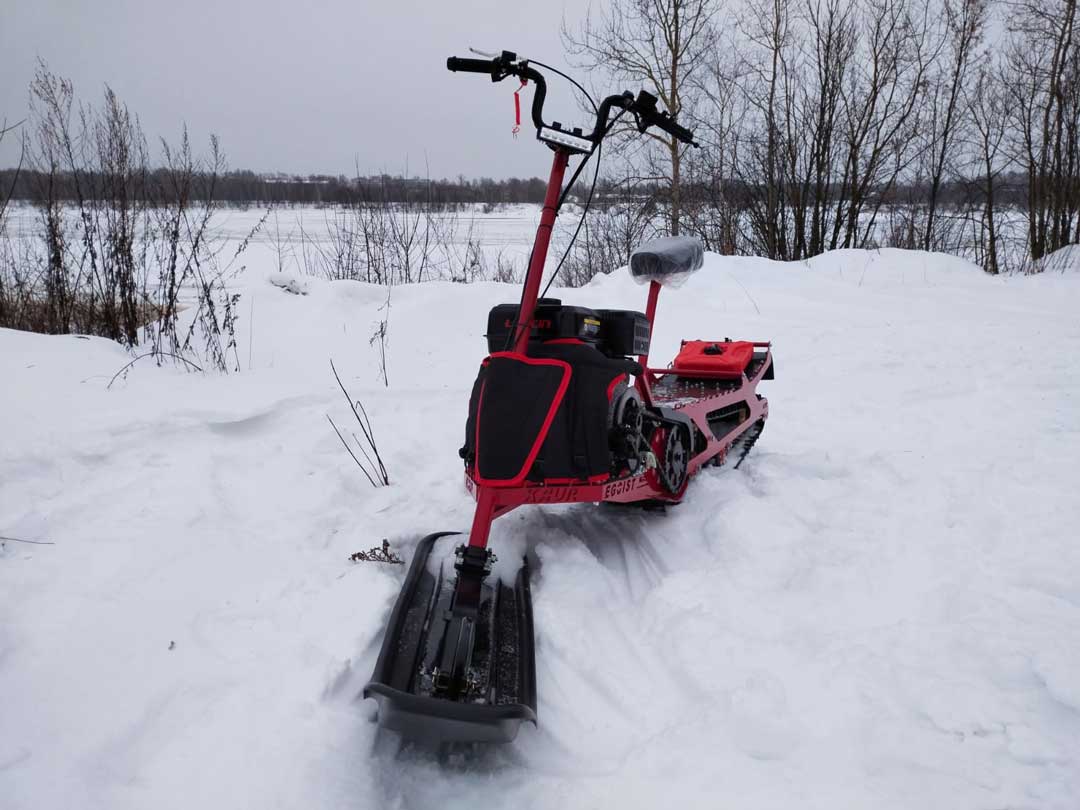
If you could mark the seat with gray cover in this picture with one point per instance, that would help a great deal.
(668, 261)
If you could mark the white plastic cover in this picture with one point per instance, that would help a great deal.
(669, 261)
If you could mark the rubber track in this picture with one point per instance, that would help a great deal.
(745, 443)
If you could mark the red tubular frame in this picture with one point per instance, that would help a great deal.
(539, 252)
(485, 503)
(494, 501)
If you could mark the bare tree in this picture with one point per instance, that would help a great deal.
(1044, 83)
(986, 107)
(832, 49)
(880, 101)
(832, 94)
(5, 196)
(767, 27)
(663, 45)
(963, 22)
(712, 204)
(12, 290)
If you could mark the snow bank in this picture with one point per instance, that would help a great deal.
(1062, 260)
(879, 609)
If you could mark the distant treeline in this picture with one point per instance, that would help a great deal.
(246, 187)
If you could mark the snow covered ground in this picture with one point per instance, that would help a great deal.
(879, 609)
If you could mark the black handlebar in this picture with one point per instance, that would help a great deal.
(643, 107)
(499, 68)
(456, 63)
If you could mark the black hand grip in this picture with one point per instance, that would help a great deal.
(667, 123)
(456, 63)
(669, 126)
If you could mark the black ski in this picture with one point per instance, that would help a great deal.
(457, 663)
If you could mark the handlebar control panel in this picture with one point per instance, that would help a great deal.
(574, 140)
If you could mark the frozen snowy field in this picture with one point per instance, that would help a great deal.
(290, 238)
(880, 609)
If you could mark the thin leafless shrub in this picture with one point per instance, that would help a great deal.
(381, 334)
(387, 235)
(372, 465)
(612, 229)
(506, 270)
(120, 250)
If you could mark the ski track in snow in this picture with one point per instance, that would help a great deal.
(880, 608)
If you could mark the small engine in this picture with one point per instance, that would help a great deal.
(613, 332)
(598, 430)
(597, 344)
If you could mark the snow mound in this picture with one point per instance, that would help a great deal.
(290, 282)
(1064, 260)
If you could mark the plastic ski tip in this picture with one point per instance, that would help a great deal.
(457, 662)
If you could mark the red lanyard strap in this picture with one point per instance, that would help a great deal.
(517, 108)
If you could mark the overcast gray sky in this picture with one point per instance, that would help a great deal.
(299, 87)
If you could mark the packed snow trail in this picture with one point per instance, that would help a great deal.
(878, 609)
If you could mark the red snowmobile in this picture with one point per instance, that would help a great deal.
(561, 412)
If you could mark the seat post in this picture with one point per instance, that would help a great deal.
(645, 380)
(650, 315)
